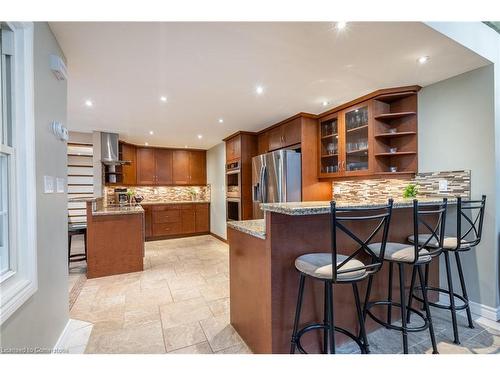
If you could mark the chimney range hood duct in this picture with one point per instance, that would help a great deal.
(109, 149)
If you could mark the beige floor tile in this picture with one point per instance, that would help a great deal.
(220, 334)
(135, 340)
(183, 312)
(237, 349)
(185, 294)
(136, 316)
(147, 297)
(183, 335)
(183, 282)
(215, 291)
(219, 306)
(202, 348)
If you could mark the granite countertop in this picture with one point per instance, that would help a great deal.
(82, 199)
(256, 228)
(172, 202)
(118, 210)
(323, 207)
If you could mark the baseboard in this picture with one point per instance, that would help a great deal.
(62, 337)
(488, 312)
(218, 237)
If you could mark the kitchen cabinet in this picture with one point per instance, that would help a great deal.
(148, 230)
(163, 167)
(128, 153)
(285, 135)
(233, 149)
(263, 143)
(174, 220)
(372, 137)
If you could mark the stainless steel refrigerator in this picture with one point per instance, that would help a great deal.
(276, 177)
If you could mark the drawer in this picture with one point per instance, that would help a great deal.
(166, 229)
(166, 207)
(188, 206)
(169, 216)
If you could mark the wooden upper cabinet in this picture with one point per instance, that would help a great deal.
(233, 149)
(197, 168)
(180, 167)
(285, 135)
(263, 143)
(146, 167)
(129, 170)
(163, 166)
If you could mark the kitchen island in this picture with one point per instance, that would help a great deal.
(264, 281)
(115, 239)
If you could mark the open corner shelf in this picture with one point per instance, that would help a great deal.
(399, 153)
(394, 135)
(394, 115)
(392, 97)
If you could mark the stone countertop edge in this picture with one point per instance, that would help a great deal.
(171, 202)
(256, 228)
(323, 207)
(118, 211)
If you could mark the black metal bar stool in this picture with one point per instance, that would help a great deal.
(416, 256)
(333, 268)
(470, 215)
(73, 230)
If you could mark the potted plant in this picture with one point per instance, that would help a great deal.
(410, 191)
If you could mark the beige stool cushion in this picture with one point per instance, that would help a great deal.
(448, 242)
(320, 265)
(400, 252)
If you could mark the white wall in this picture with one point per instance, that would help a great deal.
(39, 322)
(457, 131)
(216, 161)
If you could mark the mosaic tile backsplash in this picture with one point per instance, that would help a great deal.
(428, 187)
(164, 193)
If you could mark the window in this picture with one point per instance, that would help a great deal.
(18, 277)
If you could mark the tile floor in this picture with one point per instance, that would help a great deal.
(180, 304)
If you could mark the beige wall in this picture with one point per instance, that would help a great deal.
(216, 162)
(40, 321)
(457, 131)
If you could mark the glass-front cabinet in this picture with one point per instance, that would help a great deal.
(344, 143)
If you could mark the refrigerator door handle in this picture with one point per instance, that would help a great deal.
(263, 186)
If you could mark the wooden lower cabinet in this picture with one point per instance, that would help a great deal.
(176, 220)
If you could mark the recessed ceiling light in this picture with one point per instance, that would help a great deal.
(146, 143)
(423, 59)
(89, 103)
(186, 146)
(151, 132)
(221, 120)
(325, 103)
(341, 25)
(200, 136)
(259, 90)
(163, 99)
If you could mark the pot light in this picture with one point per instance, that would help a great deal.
(163, 99)
(200, 136)
(341, 25)
(89, 103)
(423, 59)
(325, 103)
(146, 143)
(259, 90)
(221, 120)
(151, 132)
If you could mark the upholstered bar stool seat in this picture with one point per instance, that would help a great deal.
(400, 252)
(319, 265)
(449, 243)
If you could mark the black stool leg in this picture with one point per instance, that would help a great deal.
(427, 309)
(360, 316)
(325, 320)
(410, 297)
(297, 314)
(403, 306)
(456, 340)
(464, 290)
(426, 281)
(331, 318)
(389, 296)
(69, 247)
(365, 310)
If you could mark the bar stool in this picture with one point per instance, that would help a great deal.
(347, 270)
(470, 215)
(73, 230)
(416, 256)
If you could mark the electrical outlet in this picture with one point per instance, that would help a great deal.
(60, 185)
(443, 186)
(336, 190)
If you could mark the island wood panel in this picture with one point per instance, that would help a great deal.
(250, 290)
(287, 238)
(115, 243)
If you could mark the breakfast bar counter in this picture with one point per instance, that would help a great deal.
(264, 281)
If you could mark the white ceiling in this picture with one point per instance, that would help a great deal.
(210, 71)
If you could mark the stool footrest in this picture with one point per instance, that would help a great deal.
(442, 305)
(396, 327)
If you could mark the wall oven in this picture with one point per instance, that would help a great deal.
(233, 191)
(233, 209)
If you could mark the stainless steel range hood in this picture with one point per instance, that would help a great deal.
(109, 150)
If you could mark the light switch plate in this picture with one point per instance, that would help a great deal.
(48, 184)
(60, 185)
(336, 190)
(443, 185)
